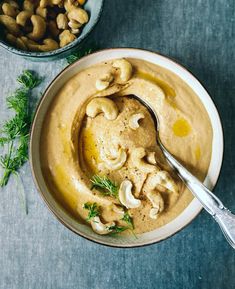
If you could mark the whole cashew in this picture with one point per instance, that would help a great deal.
(41, 12)
(164, 179)
(28, 5)
(137, 156)
(126, 197)
(21, 44)
(45, 3)
(79, 15)
(11, 38)
(151, 158)
(10, 24)
(9, 10)
(116, 162)
(125, 68)
(99, 227)
(104, 81)
(134, 120)
(12, 3)
(39, 27)
(48, 45)
(101, 104)
(74, 24)
(66, 37)
(157, 203)
(62, 21)
(23, 16)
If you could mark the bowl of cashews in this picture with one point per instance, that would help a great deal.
(93, 150)
(46, 29)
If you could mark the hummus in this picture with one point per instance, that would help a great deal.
(117, 142)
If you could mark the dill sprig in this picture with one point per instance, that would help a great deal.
(79, 54)
(127, 218)
(105, 186)
(93, 210)
(115, 229)
(15, 132)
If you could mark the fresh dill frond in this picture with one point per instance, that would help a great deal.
(29, 79)
(79, 54)
(127, 218)
(105, 186)
(94, 210)
(117, 229)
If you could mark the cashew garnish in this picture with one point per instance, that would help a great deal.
(125, 68)
(126, 197)
(137, 156)
(99, 227)
(151, 158)
(117, 162)
(157, 203)
(101, 104)
(10, 24)
(104, 81)
(39, 27)
(134, 120)
(163, 179)
(66, 37)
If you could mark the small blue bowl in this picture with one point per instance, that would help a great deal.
(94, 8)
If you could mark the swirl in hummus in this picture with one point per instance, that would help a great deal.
(95, 129)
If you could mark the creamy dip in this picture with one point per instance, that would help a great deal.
(73, 144)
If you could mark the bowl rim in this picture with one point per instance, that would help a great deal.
(37, 184)
(56, 52)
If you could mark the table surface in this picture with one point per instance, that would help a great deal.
(36, 251)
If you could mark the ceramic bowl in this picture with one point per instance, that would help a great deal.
(94, 9)
(193, 208)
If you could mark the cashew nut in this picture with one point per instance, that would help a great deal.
(10, 24)
(39, 27)
(11, 38)
(101, 104)
(79, 15)
(164, 179)
(48, 45)
(137, 156)
(99, 227)
(118, 209)
(21, 44)
(41, 12)
(151, 158)
(125, 68)
(45, 3)
(104, 81)
(62, 21)
(115, 163)
(74, 24)
(23, 16)
(66, 37)
(9, 10)
(157, 203)
(28, 5)
(134, 120)
(12, 3)
(126, 197)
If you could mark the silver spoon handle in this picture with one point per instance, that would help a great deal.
(209, 201)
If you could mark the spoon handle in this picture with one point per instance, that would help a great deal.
(209, 201)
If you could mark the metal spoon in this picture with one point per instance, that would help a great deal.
(209, 201)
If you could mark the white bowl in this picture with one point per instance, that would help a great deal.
(193, 208)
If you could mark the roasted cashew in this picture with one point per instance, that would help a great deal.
(99, 227)
(39, 27)
(125, 68)
(134, 120)
(66, 37)
(137, 156)
(28, 5)
(41, 12)
(79, 15)
(9, 10)
(11, 38)
(101, 104)
(164, 179)
(48, 45)
(126, 197)
(74, 24)
(23, 16)
(45, 3)
(62, 21)
(157, 203)
(21, 44)
(10, 24)
(12, 3)
(104, 81)
(117, 160)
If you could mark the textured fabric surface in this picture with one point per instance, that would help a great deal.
(38, 252)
